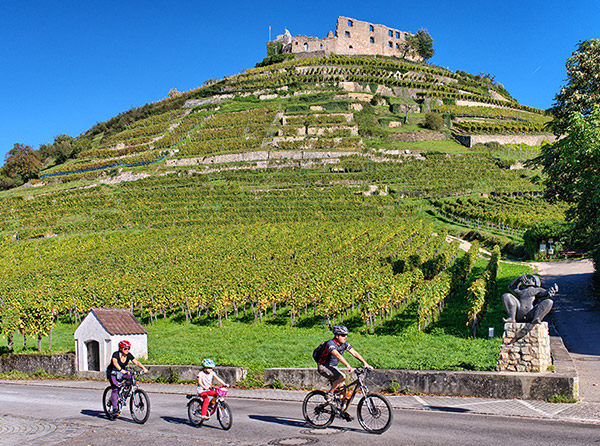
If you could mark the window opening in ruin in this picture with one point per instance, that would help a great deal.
(371, 28)
(350, 23)
(390, 44)
(397, 46)
(390, 33)
(306, 47)
(372, 39)
(397, 35)
(347, 33)
(350, 47)
(321, 46)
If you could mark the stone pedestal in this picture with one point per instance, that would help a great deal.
(525, 348)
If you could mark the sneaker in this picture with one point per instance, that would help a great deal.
(346, 416)
(205, 417)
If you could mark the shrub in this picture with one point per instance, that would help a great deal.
(433, 121)
(561, 399)
(543, 230)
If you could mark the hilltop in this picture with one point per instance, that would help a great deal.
(345, 106)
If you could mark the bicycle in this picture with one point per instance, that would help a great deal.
(139, 403)
(374, 411)
(217, 404)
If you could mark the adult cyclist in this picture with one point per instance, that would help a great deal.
(331, 356)
(117, 372)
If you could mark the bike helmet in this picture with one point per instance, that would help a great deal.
(340, 330)
(208, 363)
(124, 344)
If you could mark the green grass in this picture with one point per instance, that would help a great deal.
(396, 344)
(266, 345)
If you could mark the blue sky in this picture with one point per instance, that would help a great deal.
(66, 65)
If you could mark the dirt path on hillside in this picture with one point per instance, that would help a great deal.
(576, 315)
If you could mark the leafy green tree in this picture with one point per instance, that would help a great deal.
(572, 168)
(22, 163)
(63, 148)
(583, 85)
(420, 44)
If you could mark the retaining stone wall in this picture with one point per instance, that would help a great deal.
(530, 140)
(520, 385)
(63, 365)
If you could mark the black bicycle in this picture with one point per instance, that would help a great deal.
(374, 411)
(139, 403)
(217, 405)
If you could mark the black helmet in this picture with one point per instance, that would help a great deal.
(340, 330)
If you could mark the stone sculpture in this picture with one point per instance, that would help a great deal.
(533, 302)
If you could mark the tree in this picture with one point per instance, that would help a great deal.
(22, 163)
(420, 44)
(572, 168)
(433, 121)
(583, 85)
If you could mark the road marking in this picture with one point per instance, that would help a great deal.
(530, 406)
(420, 400)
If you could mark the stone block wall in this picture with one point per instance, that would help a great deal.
(63, 365)
(525, 348)
(530, 140)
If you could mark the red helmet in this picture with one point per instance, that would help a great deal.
(124, 344)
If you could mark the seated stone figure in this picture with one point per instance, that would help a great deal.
(533, 302)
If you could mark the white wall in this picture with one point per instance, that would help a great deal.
(91, 330)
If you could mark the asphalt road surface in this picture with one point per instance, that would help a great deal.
(576, 315)
(68, 416)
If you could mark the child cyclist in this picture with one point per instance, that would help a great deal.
(205, 379)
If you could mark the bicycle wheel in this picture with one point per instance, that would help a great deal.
(316, 410)
(375, 413)
(139, 404)
(224, 415)
(194, 411)
(107, 405)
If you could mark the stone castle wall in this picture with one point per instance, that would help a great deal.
(352, 37)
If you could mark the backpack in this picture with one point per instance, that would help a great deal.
(321, 353)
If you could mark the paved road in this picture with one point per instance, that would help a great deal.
(44, 415)
(576, 316)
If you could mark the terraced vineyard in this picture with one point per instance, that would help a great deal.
(518, 212)
(297, 188)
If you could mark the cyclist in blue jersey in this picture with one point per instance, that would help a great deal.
(332, 356)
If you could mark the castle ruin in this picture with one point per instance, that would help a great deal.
(352, 37)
